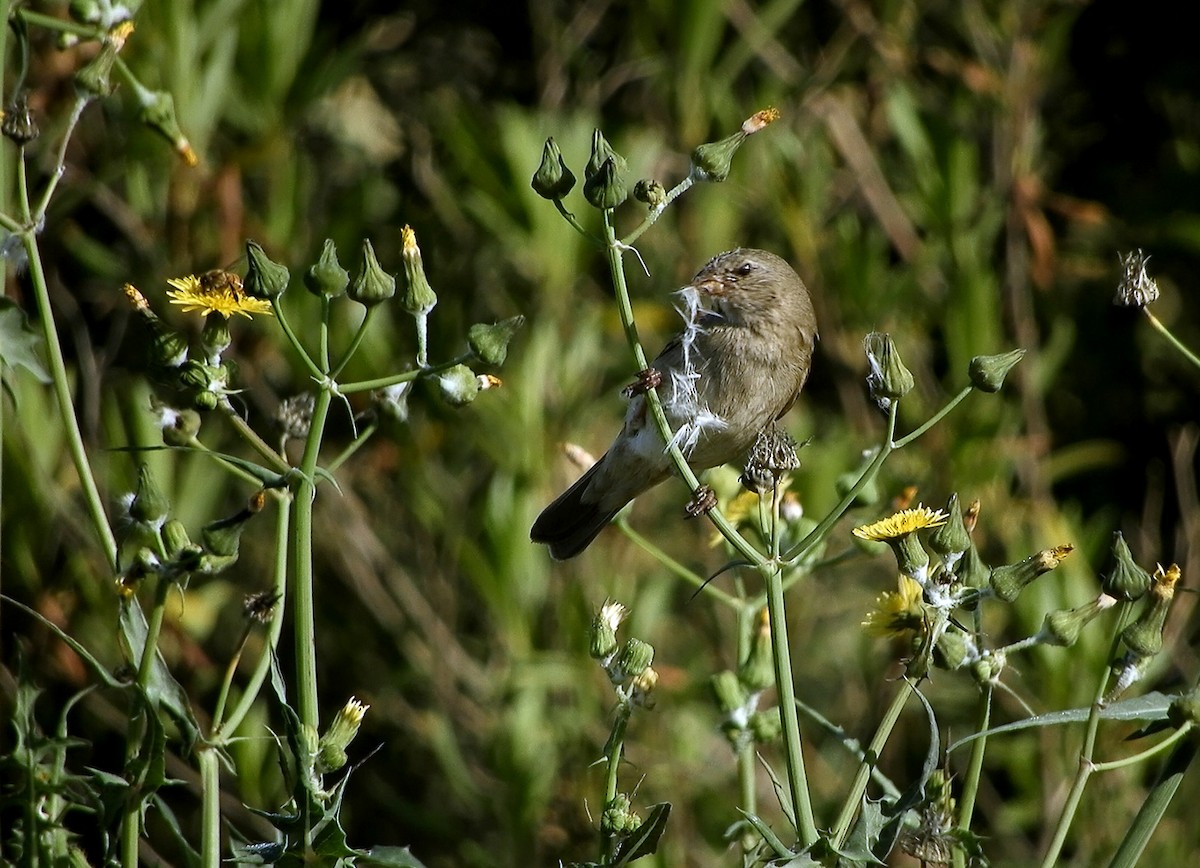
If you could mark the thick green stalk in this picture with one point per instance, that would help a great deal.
(854, 798)
(210, 808)
(615, 748)
(304, 620)
(806, 824)
(970, 790)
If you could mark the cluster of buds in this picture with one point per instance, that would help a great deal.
(163, 546)
(738, 694)
(941, 571)
(627, 664)
(889, 380)
(604, 177)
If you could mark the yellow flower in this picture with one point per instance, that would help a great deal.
(897, 612)
(902, 523)
(215, 292)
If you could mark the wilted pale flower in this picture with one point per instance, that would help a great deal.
(1136, 288)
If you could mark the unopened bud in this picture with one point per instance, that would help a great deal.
(651, 192)
(602, 151)
(728, 691)
(18, 124)
(372, 285)
(766, 726)
(1008, 581)
(264, 278)
(149, 505)
(489, 343)
(419, 298)
(618, 818)
(458, 385)
(989, 667)
(1064, 626)
(552, 180)
(1144, 637)
(889, 379)
(602, 637)
(711, 161)
(987, 373)
(327, 277)
(951, 539)
(953, 649)
(634, 657)
(1126, 580)
(331, 750)
(93, 80)
(606, 188)
(215, 338)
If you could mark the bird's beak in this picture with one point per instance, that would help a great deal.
(710, 286)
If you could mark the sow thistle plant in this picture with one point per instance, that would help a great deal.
(936, 613)
(153, 557)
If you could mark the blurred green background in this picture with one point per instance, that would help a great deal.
(962, 175)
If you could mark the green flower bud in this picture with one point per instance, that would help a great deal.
(618, 817)
(179, 427)
(223, 536)
(757, 671)
(1008, 581)
(889, 379)
(85, 11)
(458, 385)
(634, 658)
(601, 152)
(642, 686)
(953, 649)
(987, 373)
(728, 691)
(552, 180)
(327, 277)
(1126, 580)
(264, 278)
(215, 339)
(175, 537)
(392, 402)
(373, 285)
(203, 381)
(489, 343)
(93, 80)
(711, 161)
(766, 726)
(989, 667)
(419, 297)
(168, 348)
(972, 571)
(951, 539)
(602, 636)
(606, 188)
(18, 124)
(1144, 637)
(158, 113)
(331, 750)
(144, 563)
(149, 505)
(1064, 626)
(651, 192)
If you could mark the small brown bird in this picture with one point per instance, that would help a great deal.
(737, 366)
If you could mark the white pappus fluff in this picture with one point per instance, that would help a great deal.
(685, 398)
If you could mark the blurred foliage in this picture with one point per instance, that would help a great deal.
(961, 175)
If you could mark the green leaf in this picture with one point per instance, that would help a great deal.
(390, 857)
(644, 840)
(867, 829)
(1151, 707)
(97, 667)
(19, 344)
(768, 834)
(162, 690)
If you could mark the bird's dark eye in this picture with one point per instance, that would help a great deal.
(745, 268)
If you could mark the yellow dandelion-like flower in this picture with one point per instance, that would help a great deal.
(208, 296)
(897, 612)
(902, 523)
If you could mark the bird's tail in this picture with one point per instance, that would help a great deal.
(571, 522)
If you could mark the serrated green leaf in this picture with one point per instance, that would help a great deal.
(19, 344)
(644, 840)
(768, 834)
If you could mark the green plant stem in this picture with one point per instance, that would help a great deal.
(210, 807)
(66, 408)
(1174, 341)
(814, 537)
(1086, 766)
(355, 341)
(354, 445)
(694, 579)
(575, 224)
(614, 748)
(227, 680)
(407, 376)
(323, 340)
(264, 450)
(1136, 758)
(283, 525)
(317, 373)
(746, 768)
(806, 824)
(656, 212)
(934, 419)
(60, 25)
(304, 621)
(970, 789)
(854, 798)
(38, 217)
